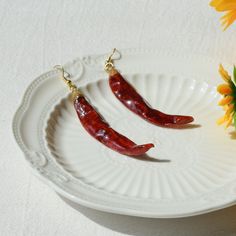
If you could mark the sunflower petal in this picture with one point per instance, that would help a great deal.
(230, 109)
(215, 3)
(226, 100)
(229, 122)
(228, 19)
(221, 120)
(224, 74)
(226, 107)
(224, 89)
(224, 5)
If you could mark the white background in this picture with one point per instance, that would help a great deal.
(34, 36)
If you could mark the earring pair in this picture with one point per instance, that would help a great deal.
(98, 128)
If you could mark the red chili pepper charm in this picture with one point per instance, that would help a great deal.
(97, 127)
(134, 102)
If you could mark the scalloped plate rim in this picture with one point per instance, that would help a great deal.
(22, 108)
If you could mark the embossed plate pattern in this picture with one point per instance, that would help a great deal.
(191, 171)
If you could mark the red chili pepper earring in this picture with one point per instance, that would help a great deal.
(134, 101)
(97, 127)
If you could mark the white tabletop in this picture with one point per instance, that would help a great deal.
(34, 36)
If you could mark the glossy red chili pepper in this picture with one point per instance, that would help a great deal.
(134, 102)
(97, 127)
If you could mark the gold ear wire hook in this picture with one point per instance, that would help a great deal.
(113, 52)
(65, 75)
(109, 62)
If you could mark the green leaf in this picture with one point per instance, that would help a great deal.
(234, 80)
(234, 118)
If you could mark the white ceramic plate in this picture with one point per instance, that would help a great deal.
(192, 171)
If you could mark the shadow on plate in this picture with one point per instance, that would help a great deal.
(218, 223)
(146, 157)
(187, 126)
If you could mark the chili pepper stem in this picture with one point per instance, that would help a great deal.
(112, 72)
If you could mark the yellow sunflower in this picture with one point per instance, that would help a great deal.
(228, 102)
(229, 6)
